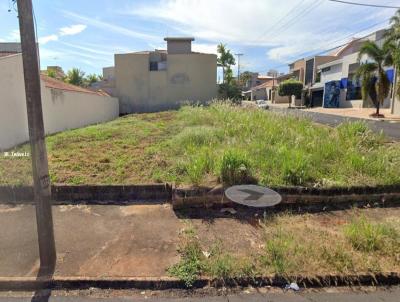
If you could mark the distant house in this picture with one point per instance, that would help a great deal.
(255, 80)
(157, 80)
(9, 48)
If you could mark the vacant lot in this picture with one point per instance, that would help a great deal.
(208, 145)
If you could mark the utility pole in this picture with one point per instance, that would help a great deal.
(238, 58)
(41, 180)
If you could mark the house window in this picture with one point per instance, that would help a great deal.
(156, 66)
(326, 69)
(153, 66)
(318, 77)
(309, 71)
(353, 84)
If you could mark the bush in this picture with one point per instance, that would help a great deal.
(230, 92)
(290, 87)
(235, 168)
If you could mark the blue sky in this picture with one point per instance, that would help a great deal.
(270, 33)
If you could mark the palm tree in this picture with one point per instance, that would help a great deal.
(375, 83)
(225, 59)
(75, 76)
(91, 78)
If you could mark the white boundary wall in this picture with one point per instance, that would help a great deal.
(62, 109)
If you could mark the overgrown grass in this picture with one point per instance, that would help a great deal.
(369, 237)
(218, 143)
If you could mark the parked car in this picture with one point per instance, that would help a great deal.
(262, 104)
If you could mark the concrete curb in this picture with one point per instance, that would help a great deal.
(91, 194)
(32, 283)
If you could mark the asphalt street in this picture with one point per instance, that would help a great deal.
(388, 295)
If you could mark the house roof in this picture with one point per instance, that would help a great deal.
(56, 84)
(182, 39)
(264, 85)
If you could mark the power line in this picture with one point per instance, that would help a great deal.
(338, 46)
(284, 27)
(364, 4)
(294, 8)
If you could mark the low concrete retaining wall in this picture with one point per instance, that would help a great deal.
(91, 194)
(292, 196)
(201, 196)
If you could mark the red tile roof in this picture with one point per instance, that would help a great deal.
(56, 84)
(269, 83)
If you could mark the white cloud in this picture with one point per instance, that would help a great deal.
(14, 36)
(110, 27)
(46, 39)
(285, 28)
(204, 47)
(63, 31)
(72, 30)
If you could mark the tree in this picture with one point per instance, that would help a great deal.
(225, 59)
(374, 81)
(51, 73)
(91, 78)
(229, 88)
(245, 77)
(75, 76)
(290, 87)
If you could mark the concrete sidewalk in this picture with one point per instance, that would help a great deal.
(360, 113)
(134, 241)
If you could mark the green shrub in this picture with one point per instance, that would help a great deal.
(235, 168)
(368, 237)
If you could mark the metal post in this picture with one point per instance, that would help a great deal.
(41, 180)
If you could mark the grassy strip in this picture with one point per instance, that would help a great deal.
(359, 246)
(218, 143)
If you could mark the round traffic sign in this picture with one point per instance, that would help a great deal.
(253, 196)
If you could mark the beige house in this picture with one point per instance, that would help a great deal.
(164, 79)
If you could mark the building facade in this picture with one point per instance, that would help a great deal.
(341, 88)
(158, 80)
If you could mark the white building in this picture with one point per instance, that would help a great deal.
(341, 74)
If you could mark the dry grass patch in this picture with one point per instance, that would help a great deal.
(345, 242)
